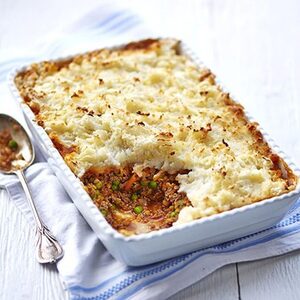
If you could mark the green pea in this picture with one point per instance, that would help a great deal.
(96, 194)
(173, 214)
(98, 184)
(138, 209)
(134, 197)
(12, 144)
(104, 212)
(115, 185)
(152, 184)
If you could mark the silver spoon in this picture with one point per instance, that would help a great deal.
(48, 250)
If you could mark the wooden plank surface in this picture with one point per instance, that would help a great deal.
(274, 278)
(21, 277)
(253, 46)
(222, 284)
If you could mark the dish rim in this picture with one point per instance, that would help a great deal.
(77, 184)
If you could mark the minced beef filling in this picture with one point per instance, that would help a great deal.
(135, 204)
(8, 148)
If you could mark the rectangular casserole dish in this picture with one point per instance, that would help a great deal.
(164, 243)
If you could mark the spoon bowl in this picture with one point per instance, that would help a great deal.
(25, 153)
(48, 250)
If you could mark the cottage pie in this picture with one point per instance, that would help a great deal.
(154, 140)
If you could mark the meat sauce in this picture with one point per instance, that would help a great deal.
(8, 150)
(135, 204)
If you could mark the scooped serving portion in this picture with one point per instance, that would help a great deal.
(8, 149)
(155, 141)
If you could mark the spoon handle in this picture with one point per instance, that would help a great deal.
(48, 250)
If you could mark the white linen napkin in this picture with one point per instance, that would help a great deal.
(87, 269)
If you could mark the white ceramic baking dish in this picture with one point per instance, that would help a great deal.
(165, 243)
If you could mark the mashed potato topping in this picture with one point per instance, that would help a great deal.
(149, 106)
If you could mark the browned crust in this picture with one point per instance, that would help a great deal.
(141, 45)
(50, 67)
(207, 75)
(62, 149)
(280, 168)
(25, 81)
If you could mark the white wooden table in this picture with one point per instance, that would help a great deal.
(254, 46)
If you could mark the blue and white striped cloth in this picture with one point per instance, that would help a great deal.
(87, 269)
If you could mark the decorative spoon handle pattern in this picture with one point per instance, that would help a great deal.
(48, 250)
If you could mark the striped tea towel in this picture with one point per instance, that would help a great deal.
(87, 269)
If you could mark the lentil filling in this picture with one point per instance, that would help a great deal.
(135, 204)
